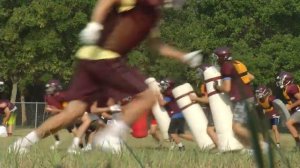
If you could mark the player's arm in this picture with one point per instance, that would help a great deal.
(101, 10)
(52, 109)
(224, 87)
(7, 113)
(101, 110)
(91, 33)
(98, 110)
(296, 103)
(161, 100)
(202, 99)
(193, 59)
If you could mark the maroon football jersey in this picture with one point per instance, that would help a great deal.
(6, 103)
(56, 100)
(239, 90)
(289, 93)
(124, 31)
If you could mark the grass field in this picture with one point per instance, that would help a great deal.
(146, 153)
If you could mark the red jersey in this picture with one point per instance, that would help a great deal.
(57, 100)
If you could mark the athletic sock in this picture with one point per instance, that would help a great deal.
(30, 139)
(180, 144)
(278, 145)
(76, 141)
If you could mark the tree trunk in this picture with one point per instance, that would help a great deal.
(14, 92)
(23, 109)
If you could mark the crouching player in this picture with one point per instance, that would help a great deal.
(176, 127)
(8, 109)
(9, 119)
(291, 92)
(265, 98)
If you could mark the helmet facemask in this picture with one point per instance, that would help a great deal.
(262, 93)
(1, 86)
(164, 85)
(282, 81)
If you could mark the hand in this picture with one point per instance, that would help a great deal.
(115, 108)
(94, 106)
(216, 86)
(193, 97)
(288, 107)
(193, 59)
(91, 33)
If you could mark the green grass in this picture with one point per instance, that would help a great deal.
(40, 156)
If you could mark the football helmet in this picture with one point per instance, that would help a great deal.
(222, 54)
(284, 78)
(53, 86)
(262, 91)
(166, 84)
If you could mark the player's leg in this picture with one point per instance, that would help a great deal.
(11, 123)
(154, 131)
(174, 131)
(74, 110)
(290, 123)
(125, 80)
(275, 123)
(212, 134)
(56, 143)
(85, 123)
(239, 123)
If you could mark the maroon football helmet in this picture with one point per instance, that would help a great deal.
(284, 78)
(166, 84)
(222, 54)
(53, 86)
(262, 91)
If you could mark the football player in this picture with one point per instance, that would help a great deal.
(291, 92)
(177, 123)
(8, 109)
(236, 82)
(116, 28)
(265, 98)
(203, 99)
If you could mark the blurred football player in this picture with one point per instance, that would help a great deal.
(116, 28)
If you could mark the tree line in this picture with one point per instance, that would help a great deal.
(38, 39)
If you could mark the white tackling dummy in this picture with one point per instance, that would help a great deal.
(222, 115)
(159, 112)
(194, 115)
(3, 131)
